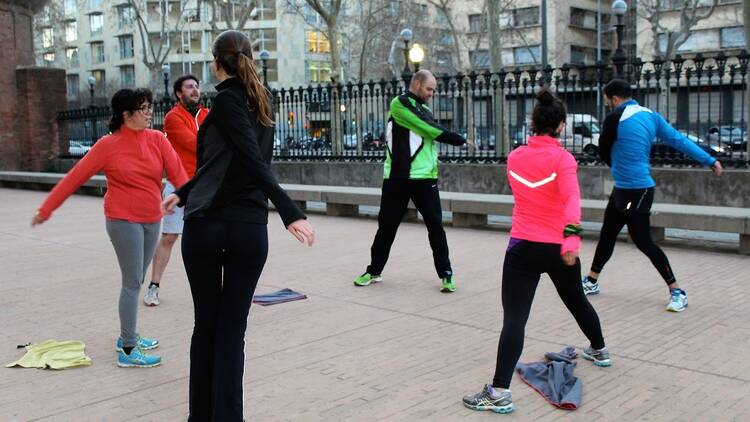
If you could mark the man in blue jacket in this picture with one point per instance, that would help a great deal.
(628, 133)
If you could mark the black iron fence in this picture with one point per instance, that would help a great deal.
(705, 98)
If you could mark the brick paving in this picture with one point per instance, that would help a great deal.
(397, 351)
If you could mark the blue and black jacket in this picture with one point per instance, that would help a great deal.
(628, 133)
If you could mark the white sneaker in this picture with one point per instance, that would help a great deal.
(677, 300)
(151, 298)
(590, 288)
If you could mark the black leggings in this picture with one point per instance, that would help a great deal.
(393, 205)
(223, 261)
(524, 264)
(631, 207)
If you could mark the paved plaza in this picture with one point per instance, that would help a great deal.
(396, 351)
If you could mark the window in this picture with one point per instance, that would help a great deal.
(96, 23)
(71, 55)
(317, 42)
(125, 17)
(318, 71)
(393, 9)
(72, 85)
(697, 41)
(272, 70)
(266, 9)
(97, 52)
(71, 31)
(444, 59)
(733, 37)
(95, 4)
(263, 39)
(70, 8)
(127, 76)
(446, 38)
(100, 78)
(577, 54)
(528, 16)
(480, 59)
(476, 24)
(126, 46)
(49, 58)
(526, 55)
(582, 18)
(441, 17)
(48, 37)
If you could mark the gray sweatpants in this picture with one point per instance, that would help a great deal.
(134, 245)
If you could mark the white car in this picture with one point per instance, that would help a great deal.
(350, 141)
(78, 148)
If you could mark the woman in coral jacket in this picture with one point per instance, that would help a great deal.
(133, 159)
(544, 238)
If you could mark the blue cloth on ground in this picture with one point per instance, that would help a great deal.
(554, 379)
(281, 296)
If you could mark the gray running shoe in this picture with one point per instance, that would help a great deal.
(151, 298)
(599, 357)
(483, 400)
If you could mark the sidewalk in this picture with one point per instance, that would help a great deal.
(397, 351)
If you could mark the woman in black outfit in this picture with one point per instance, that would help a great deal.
(225, 239)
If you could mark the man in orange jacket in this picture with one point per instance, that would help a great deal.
(181, 127)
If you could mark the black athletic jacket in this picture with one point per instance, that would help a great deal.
(234, 180)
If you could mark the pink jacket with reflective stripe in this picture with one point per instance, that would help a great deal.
(543, 178)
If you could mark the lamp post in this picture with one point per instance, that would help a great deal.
(92, 84)
(165, 69)
(264, 54)
(416, 55)
(619, 8)
(406, 36)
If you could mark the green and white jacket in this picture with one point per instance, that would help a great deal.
(411, 134)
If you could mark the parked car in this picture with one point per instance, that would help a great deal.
(350, 141)
(716, 149)
(731, 136)
(581, 134)
(79, 147)
(662, 149)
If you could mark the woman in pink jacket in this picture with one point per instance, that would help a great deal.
(545, 238)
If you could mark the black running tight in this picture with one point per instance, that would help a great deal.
(223, 261)
(631, 207)
(524, 264)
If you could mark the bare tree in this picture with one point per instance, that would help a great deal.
(444, 7)
(691, 12)
(328, 11)
(226, 15)
(154, 50)
(371, 16)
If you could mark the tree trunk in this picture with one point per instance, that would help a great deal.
(333, 39)
(746, 12)
(493, 13)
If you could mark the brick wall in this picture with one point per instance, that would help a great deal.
(31, 97)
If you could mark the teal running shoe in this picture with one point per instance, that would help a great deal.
(144, 343)
(599, 357)
(677, 300)
(137, 359)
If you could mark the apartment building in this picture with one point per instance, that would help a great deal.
(103, 39)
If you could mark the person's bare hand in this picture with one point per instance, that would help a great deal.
(303, 231)
(569, 258)
(717, 168)
(36, 219)
(171, 201)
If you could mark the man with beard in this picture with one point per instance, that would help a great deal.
(181, 127)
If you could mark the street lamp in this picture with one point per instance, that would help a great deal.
(619, 8)
(92, 84)
(165, 69)
(264, 55)
(407, 36)
(416, 55)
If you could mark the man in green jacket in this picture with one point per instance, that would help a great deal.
(411, 172)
